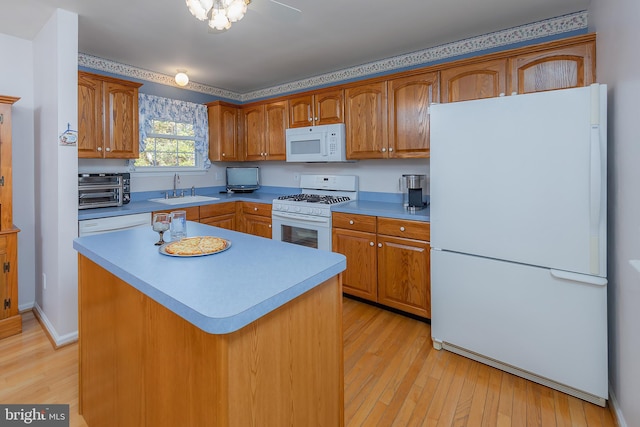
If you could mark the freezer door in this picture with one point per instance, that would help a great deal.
(551, 324)
(522, 178)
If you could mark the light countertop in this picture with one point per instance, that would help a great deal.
(218, 293)
(361, 206)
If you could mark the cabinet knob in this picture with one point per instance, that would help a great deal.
(371, 243)
(379, 245)
(310, 119)
(383, 150)
(269, 225)
(255, 209)
(107, 149)
(316, 119)
(390, 149)
(401, 228)
(351, 221)
(223, 154)
(99, 148)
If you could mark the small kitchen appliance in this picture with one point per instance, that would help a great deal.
(305, 218)
(414, 191)
(101, 190)
(324, 143)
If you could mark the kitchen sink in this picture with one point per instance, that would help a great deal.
(184, 200)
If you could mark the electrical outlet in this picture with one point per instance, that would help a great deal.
(218, 176)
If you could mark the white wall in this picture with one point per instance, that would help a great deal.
(55, 87)
(374, 175)
(616, 23)
(16, 79)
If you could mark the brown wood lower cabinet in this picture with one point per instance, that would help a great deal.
(143, 365)
(246, 217)
(388, 260)
(256, 219)
(221, 215)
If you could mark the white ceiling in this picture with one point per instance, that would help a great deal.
(273, 45)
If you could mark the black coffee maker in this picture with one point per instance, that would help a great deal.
(414, 191)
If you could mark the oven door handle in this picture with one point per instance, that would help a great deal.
(306, 218)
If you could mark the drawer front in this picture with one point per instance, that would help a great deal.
(261, 209)
(193, 212)
(354, 222)
(403, 228)
(217, 209)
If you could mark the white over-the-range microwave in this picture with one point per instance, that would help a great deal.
(324, 143)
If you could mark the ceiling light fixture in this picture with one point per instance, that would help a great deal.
(219, 13)
(181, 78)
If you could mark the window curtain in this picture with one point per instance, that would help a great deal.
(156, 107)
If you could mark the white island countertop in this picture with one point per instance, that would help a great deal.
(218, 293)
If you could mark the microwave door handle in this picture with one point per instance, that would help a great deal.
(323, 145)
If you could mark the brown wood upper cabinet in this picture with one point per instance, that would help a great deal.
(553, 68)
(390, 119)
(366, 121)
(320, 108)
(264, 131)
(107, 117)
(223, 132)
(409, 99)
(486, 79)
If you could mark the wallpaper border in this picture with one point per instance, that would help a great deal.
(546, 28)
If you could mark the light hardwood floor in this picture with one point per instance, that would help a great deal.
(393, 378)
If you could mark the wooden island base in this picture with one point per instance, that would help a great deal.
(143, 365)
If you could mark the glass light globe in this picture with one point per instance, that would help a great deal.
(235, 11)
(199, 8)
(219, 21)
(182, 79)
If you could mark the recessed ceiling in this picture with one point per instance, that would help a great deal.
(273, 44)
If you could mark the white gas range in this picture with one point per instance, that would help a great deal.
(305, 218)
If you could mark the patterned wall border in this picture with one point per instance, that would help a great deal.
(536, 30)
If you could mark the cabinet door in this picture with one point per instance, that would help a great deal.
(360, 277)
(257, 225)
(474, 81)
(404, 274)
(328, 107)
(366, 121)
(276, 121)
(8, 278)
(6, 187)
(559, 68)
(227, 221)
(301, 111)
(223, 133)
(253, 125)
(409, 100)
(121, 121)
(90, 119)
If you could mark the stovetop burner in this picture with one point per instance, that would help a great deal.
(315, 198)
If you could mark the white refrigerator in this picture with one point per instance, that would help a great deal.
(518, 235)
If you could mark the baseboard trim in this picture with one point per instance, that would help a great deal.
(56, 340)
(615, 409)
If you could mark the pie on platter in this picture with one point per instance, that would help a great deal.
(195, 246)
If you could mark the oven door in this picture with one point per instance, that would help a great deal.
(304, 230)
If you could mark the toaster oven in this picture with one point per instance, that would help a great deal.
(101, 190)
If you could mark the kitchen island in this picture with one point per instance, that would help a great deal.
(251, 336)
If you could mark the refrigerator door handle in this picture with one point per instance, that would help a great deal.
(595, 181)
(580, 278)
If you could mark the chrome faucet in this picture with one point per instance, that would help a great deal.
(176, 181)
